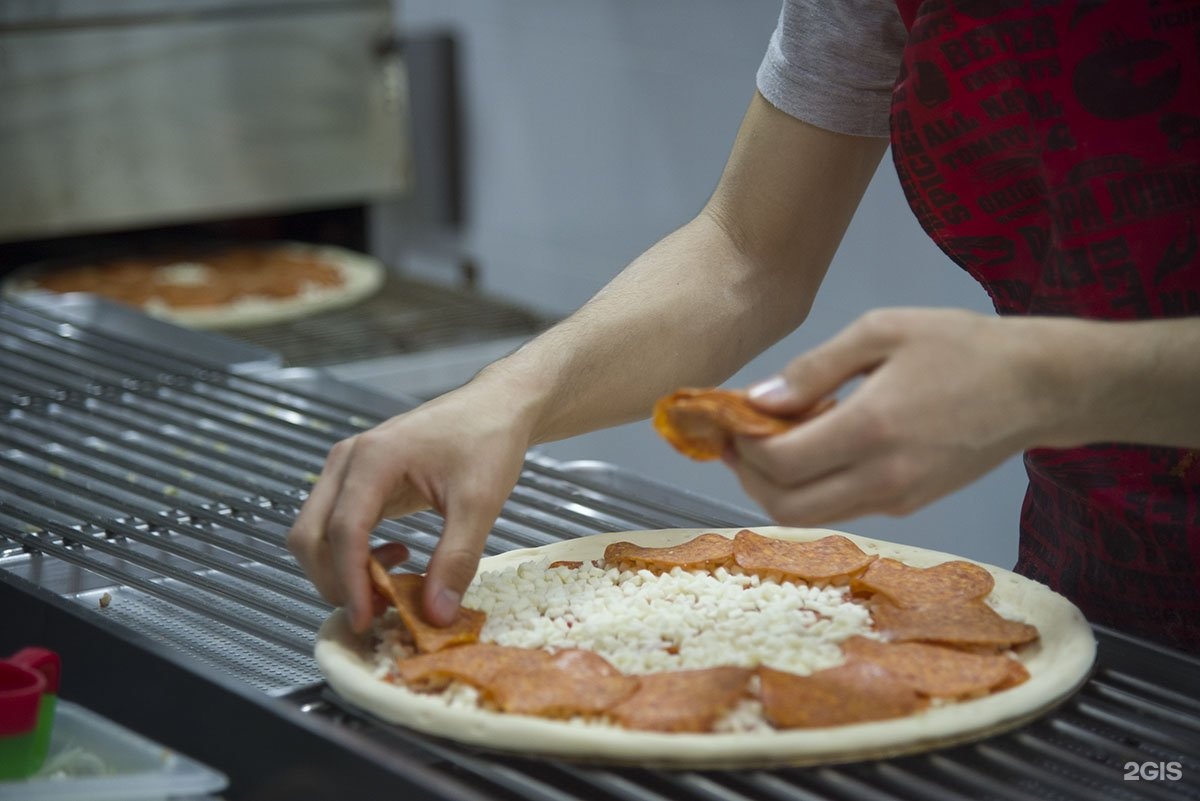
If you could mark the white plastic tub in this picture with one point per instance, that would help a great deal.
(93, 759)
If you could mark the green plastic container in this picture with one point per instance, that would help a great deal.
(47, 663)
(22, 691)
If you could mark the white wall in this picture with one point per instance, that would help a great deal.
(596, 127)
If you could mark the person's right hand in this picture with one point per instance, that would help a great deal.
(460, 454)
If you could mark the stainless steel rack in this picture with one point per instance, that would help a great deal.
(404, 317)
(149, 475)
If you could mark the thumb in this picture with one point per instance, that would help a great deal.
(456, 557)
(791, 392)
(817, 374)
(773, 394)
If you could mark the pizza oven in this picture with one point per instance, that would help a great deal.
(151, 129)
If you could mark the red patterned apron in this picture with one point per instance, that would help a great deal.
(1052, 149)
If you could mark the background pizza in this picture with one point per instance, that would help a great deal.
(228, 287)
(1057, 663)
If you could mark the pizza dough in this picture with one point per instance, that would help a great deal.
(1058, 664)
(236, 287)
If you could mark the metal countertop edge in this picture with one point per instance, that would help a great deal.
(145, 685)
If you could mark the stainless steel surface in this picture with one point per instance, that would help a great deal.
(82, 314)
(405, 317)
(139, 113)
(135, 470)
(182, 480)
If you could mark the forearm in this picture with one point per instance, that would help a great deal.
(689, 311)
(1136, 382)
(703, 301)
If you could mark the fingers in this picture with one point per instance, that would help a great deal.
(899, 439)
(818, 447)
(306, 539)
(818, 373)
(442, 455)
(365, 486)
(469, 520)
(330, 538)
(389, 555)
(778, 470)
(824, 500)
(879, 486)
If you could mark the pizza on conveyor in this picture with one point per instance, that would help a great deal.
(728, 647)
(232, 287)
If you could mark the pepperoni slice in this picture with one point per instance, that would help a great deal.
(572, 682)
(706, 552)
(935, 671)
(854, 692)
(829, 560)
(403, 592)
(682, 700)
(1017, 674)
(908, 586)
(700, 423)
(476, 664)
(971, 624)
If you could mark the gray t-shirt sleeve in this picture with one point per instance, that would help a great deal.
(833, 64)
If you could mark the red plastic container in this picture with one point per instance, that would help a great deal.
(28, 696)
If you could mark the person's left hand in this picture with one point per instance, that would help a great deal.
(945, 396)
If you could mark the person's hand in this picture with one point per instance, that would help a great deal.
(460, 454)
(945, 396)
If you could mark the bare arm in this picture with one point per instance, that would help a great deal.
(691, 310)
(709, 297)
(1118, 381)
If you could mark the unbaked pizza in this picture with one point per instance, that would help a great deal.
(233, 287)
(717, 648)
